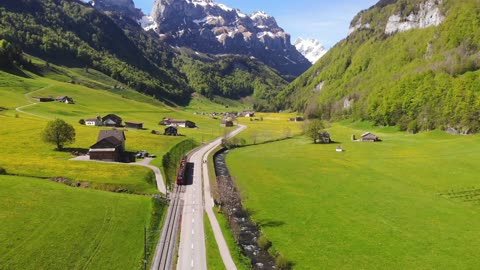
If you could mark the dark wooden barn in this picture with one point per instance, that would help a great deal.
(171, 131)
(110, 146)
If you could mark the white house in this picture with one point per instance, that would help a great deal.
(93, 122)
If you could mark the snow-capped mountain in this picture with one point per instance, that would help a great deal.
(210, 27)
(311, 48)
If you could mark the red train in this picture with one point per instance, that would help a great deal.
(182, 168)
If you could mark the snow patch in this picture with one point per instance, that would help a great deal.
(311, 48)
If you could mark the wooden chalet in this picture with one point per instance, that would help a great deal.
(65, 99)
(94, 121)
(171, 131)
(369, 137)
(182, 123)
(136, 125)
(296, 119)
(227, 122)
(112, 120)
(110, 146)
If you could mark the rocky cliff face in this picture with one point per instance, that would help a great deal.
(424, 14)
(123, 6)
(427, 15)
(209, 27)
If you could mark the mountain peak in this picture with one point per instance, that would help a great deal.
(122, 6)
(311, 48)
(210, 27)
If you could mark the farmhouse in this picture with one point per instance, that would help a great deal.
(369, 137)
(65, 99)
(227, 122)
(165, 121)
(171, 131)
(137, 125)
(94, 121)
(248, 113)
(44, 99)
(177, 123)
(110, 146)
(296, 119)
(112, 120)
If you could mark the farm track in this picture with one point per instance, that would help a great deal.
(166, 246)
(19, 109)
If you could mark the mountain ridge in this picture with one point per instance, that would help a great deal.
(421, 78)
(209, 27)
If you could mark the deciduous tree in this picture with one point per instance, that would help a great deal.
(59, 132)
(314, 129)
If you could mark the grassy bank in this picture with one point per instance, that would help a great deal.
(47, 225)
(388, 205)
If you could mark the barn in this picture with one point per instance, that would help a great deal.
(112, 120)
(369, 137)
(136, 125)
(171, 131)
(110, 146)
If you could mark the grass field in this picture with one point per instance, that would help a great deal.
(268, 126)
(387, 205)
(47, 225)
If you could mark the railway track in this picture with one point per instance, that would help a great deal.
(165, 250)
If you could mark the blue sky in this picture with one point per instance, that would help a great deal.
(325, 20)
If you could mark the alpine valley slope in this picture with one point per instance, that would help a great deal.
(410, 63)
(111, 40)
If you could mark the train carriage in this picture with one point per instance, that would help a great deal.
(182, 168)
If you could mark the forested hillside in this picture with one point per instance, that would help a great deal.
(74, 34)
(417, 79)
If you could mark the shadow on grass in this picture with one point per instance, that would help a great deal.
(270, 223)
(74, 151)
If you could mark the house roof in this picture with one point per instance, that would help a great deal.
(170, 127)
(113, 117)
(367, 134)
(92, 119)
(119, 135)
(107, 143)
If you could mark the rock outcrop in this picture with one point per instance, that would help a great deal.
(427, 15)
(126, 7)
(209, 27)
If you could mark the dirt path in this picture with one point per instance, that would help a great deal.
(27, 97)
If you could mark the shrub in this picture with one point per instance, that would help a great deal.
(281, 262)
(263, 242)
(2, 171)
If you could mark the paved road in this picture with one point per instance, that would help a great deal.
(192, 254)
(145, 163)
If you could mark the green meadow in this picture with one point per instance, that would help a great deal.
(46, 225)
(408, 202)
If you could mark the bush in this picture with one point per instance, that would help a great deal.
(281, 262)
(81, 122)
(263, 242)
(2, 171)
